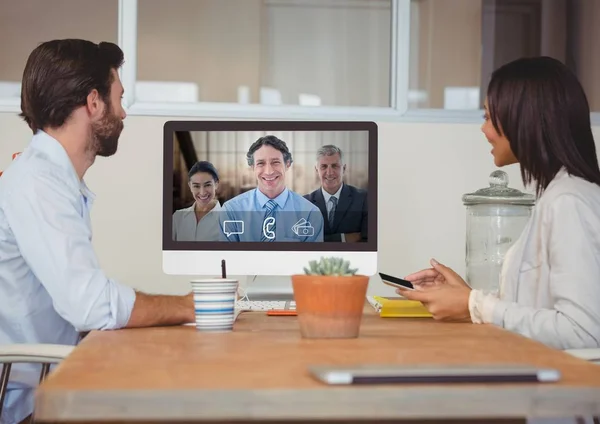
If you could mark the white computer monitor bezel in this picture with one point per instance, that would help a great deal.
(248, 258)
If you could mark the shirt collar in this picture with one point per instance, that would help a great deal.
(215, 208)
(280, 200)
(86, 192)
(327, 196)
(56, 153)
(562, 172)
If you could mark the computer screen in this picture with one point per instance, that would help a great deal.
(268, 197)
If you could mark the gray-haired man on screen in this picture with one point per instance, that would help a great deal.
(343, 206)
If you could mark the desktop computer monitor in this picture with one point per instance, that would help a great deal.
(260, 196)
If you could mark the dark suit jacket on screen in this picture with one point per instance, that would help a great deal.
(350, 215)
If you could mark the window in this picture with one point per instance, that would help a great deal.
(26, 23)
(267, 52)
(456, 45)
(399, 60)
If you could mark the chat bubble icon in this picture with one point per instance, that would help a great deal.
(233, 227)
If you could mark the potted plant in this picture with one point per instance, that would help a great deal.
(330, 299)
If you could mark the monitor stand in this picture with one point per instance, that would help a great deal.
(268, 287)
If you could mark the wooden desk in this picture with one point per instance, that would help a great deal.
(259, 372)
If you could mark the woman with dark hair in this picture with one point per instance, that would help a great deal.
(537, 115)
(200, 221)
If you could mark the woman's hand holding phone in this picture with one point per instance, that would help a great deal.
(441, 290)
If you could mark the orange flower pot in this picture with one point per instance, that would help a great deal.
(329, 307)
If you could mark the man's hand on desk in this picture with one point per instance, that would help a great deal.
(191, 308)
(158, 310)
(442, 291)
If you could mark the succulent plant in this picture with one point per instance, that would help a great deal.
(330, 266)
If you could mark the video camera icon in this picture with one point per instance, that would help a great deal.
(303, 228)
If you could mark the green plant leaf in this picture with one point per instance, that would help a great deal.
(330, 265)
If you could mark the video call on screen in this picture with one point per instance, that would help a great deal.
(300, 186)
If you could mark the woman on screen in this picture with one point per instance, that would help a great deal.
(200, 221)
(537, 115)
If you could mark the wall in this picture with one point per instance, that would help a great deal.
(423, 171)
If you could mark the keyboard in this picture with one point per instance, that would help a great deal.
(264, 305)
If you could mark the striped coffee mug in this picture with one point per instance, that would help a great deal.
(214, 303)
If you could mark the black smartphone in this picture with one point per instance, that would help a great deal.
(395, 281)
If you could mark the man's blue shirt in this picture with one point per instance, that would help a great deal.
(295, 218)
(51, 283)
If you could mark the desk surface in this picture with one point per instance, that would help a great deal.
(259, 372)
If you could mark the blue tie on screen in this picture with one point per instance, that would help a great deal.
(267, 228)
(333, 201)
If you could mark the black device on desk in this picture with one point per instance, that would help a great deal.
(396, 282)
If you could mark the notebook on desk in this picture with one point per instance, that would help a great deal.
(397, 307)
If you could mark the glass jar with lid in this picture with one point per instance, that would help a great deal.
(496, 217)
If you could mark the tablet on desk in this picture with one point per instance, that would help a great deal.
(433, 374)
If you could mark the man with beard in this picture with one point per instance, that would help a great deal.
(51, 284)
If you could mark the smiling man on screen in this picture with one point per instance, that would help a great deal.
(271, 211)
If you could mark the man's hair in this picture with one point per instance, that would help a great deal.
(60, 74)
(269, 140)
(330, 150)
(539, 105)
(204, 166)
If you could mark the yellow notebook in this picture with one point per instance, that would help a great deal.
(398, 308)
